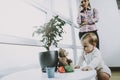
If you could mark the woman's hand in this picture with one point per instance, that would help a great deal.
(84, 22)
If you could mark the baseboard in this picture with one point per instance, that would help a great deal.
(115, 68)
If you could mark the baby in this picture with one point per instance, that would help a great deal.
(92, 56)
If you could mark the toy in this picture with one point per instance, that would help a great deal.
(64, 61)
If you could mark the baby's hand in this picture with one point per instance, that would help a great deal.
(87, 68)
(77, 67)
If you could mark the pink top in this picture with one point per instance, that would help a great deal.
(91, 16)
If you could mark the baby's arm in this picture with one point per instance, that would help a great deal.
(96, 60)
(81, 59)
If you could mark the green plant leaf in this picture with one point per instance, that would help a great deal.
(51, 32)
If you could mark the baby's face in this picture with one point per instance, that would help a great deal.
(87, 46)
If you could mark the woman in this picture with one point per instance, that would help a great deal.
(87, 17)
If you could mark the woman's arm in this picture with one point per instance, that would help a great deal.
(79, 19)
(95, 15)
(93, 18)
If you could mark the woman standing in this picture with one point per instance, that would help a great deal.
(87, 17)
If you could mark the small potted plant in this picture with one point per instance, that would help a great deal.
(50, 34)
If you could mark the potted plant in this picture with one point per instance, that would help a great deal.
(50, 34)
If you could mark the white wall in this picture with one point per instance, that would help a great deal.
(109, 30)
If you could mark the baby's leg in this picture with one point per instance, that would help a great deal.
(103, 76)
(104, 73)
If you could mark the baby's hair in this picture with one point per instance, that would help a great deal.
(91, 37)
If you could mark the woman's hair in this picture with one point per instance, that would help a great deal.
(92, 38)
